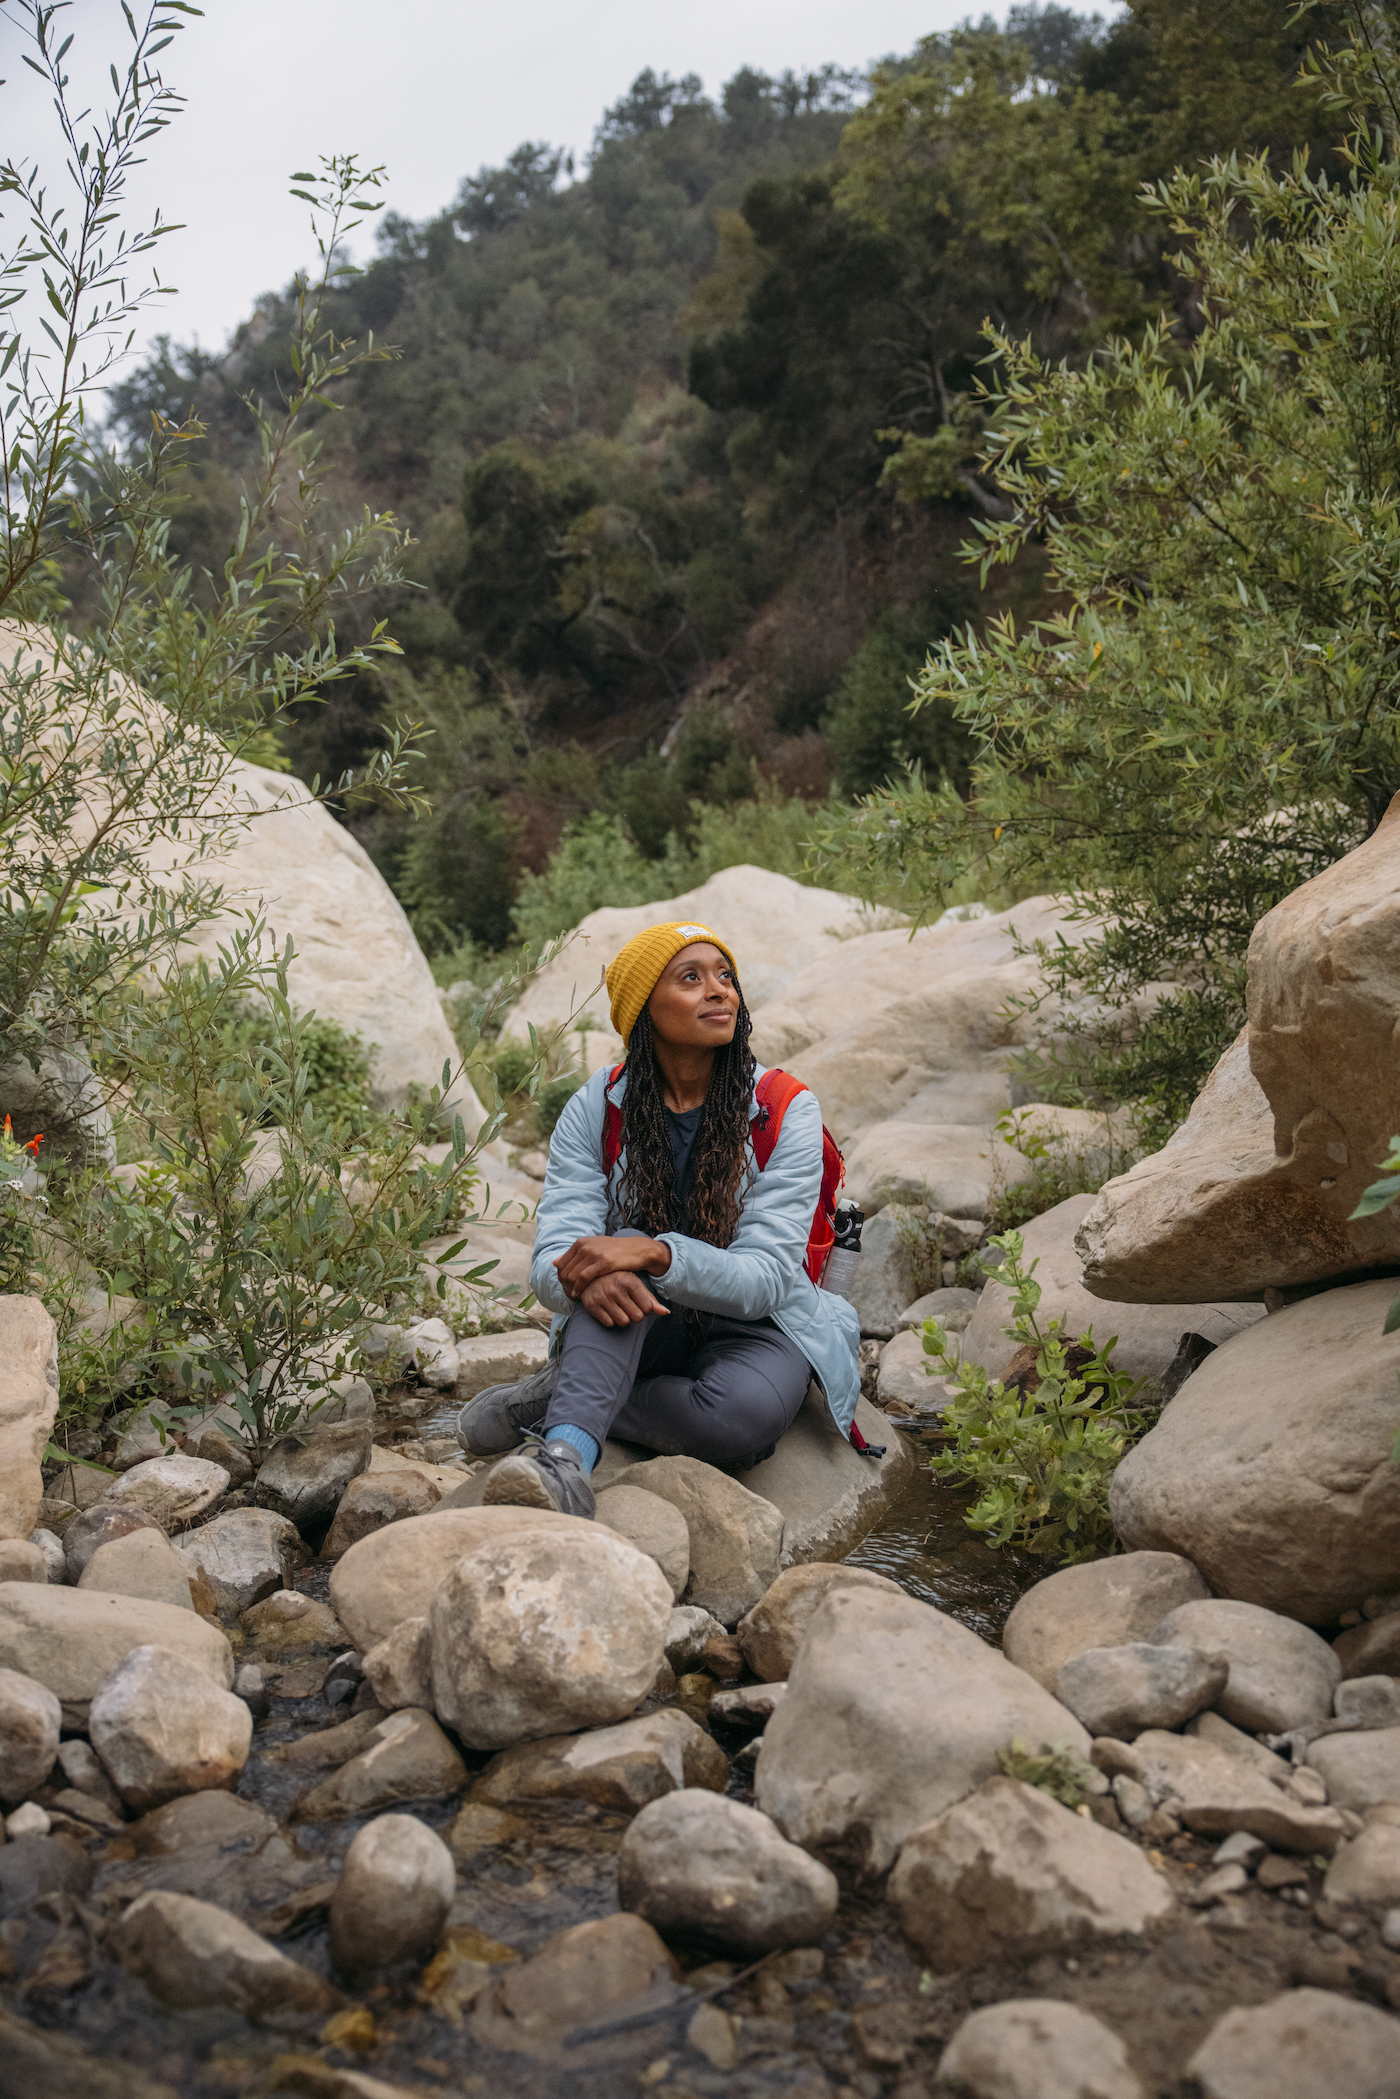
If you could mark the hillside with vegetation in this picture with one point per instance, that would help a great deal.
(689, 438)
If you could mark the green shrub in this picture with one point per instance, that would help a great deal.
(335, 1062)
(554, 1096)
(1040, 1462)
(513, 1065)
(1055, 1770)
(1060, 1168)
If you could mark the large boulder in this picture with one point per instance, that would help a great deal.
(622, 1767)
(654, 1526)
(736, 1536)
(391, 1574)
(1103, 1603)
(71, 1639)
(144, 1563)
(241, 1557)
(1271, 1468)
(892, 1713)
(1306, 2044)
(1148, 1334)
(175, 1490)
(827, 1492)
(1280, 1675)
(28, 1403)
(373, 1499)
(162, 1729)
(1009, 1873)
(1258, 1186)
(698, 1866)
(544, 1632)
(193, 1955)
(952, 1167)
(303, 1476)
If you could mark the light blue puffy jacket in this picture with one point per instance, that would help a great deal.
(759, 1276)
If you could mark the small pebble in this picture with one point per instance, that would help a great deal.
(28, 1821)
(250, 1685)
(1390, 1930)
(1240, 1849)
(1277, 1872)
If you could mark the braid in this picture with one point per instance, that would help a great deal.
(647, 1193)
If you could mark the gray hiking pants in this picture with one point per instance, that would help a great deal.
(725, 1393)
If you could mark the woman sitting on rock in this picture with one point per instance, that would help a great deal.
(684, 1318)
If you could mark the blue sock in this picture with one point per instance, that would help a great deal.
(583, 1443)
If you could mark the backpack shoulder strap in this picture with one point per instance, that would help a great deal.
(612, 1123)
(775, 1093)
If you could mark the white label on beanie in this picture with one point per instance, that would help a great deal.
(694, 931)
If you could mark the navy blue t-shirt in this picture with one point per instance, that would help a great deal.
(683, 1131)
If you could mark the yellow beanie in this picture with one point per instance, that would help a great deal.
(631, 977)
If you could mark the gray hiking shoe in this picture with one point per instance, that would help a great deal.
(501, 1417)
(547, 1476)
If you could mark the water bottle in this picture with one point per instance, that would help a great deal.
(839, 1275)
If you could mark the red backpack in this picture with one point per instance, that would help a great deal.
(775, 1091)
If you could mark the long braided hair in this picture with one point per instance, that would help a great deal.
(647, 1192)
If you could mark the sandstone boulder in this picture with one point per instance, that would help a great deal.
(689, 1632)
(1103, 1603)
(391, 1574)
(22, 1561)
(399, 1670)
(407, 1757)
(163, 1729)
(1370, 1650)
(30, 1718)
(176, 1490)
(898, 1256)
(736, 1537)
(610, 1968)
(28, 1404)
(622, 1767)
(1036, 2048)
(392, 1897)
(656, 1527)
(953, 1307)
(1216, 1792)
(241, 1557)
(907, 1382)
(1122, 1690)
(698, 1866)
(828, 1493)
(1148, 1334)
(892, 1713)
(1281, 1675)
(771, 1633)
(955, 1169)
(72, 1639)
(546, 1631)
(1271, 1467)
(1008, 1873)
(499, 1359)
(144, 1563)
(100, 1525)
(303, 1476)
(1306, 2044)
(1257, 1187)
(374, 1499)
(193, 1955)
(1360, 1770)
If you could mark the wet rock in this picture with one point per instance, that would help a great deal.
(144, 1563)
(34, 1866)
(546, 1632)
(893, 1712)
(1009, 1873)
(71, 1639)
(1359, 1769)
(44, 2065)
(399, 1670)
(391, 1575)
(689, 1631)
(654, 1526)
(243, 1556)
(620, 1767)
(304, 1476)
(251, 1686)
(1282, 1675)
(1370, 1650)
(434, 1354)
(28, 1404)
(22, 1561)
(50, 1548)
(499, 1359)
(1104, 1603)
(1306, 2044)
(1121, 1690)
(393, 1895)
(162, 1729)
(311, 2078)
(176, 1490)
(1367, 1701)
(202, 1825)
(288, 1620)
(329, 1746)
(1214, 1792)
(747, 1711)
(580, 1977)
(30, 1718)
(374, 1499)
(1368, 1868)
(771, 1633)
(1270, 1468)
(82, 1767)
(1036, 2048)
(408, 1757)
(193, 1955)
(102, 1524)
(736, 1537)
(699, 1866)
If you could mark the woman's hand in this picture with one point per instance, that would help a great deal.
(589, 1259)
(620, 1300)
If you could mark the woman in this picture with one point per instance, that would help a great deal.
(685, 1319)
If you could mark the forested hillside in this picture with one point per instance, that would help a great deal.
(687, 438)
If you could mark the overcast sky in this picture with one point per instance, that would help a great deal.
(432, 88)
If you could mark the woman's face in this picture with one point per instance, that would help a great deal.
(696, 1001)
